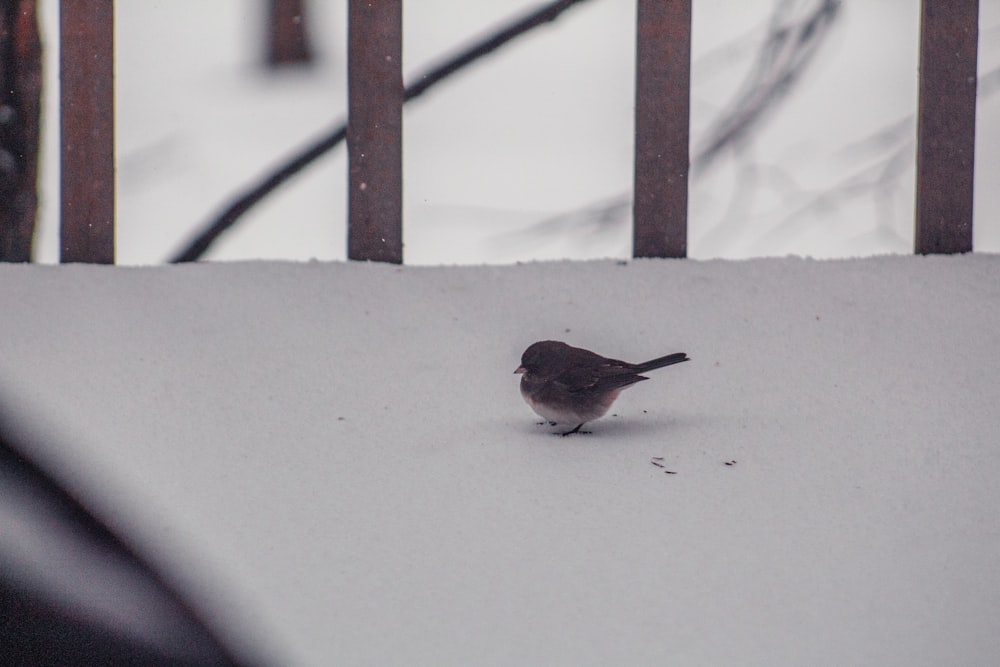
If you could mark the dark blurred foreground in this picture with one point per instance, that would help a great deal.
(72, 592)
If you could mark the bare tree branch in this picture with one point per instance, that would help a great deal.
(422, 83)
(893, 148)
(793, 38)
(782, 60)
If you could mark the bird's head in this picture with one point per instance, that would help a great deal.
(543, 358)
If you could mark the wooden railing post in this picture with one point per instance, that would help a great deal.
(86, 111)
(287, 35)
(375, 130)
(662, 120)
(20, 104)
(946, 125)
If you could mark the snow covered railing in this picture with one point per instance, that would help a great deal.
(945, 135)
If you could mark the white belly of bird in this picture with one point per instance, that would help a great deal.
(571, 418)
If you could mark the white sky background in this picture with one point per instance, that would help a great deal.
(541, 129)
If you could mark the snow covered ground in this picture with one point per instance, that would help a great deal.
(539, 132)
(334, 460)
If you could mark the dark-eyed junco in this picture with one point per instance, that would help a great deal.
(570, 385)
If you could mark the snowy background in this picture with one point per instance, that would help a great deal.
(534, 135)
(333, 461)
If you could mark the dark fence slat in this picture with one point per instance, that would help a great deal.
(287, 35)
(86, 109)
(20, 105)
(662, 119)
(375, 130)
(946, 125)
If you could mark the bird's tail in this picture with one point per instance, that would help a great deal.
(660, 362)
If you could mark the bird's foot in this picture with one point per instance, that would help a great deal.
(575, 430)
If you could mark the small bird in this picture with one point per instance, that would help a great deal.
(571, 385)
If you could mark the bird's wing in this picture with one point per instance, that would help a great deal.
(601, 377)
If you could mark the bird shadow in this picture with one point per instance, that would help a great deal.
(616, 427)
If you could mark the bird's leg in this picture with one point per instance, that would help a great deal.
(575, 430)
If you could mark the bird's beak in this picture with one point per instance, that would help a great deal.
(520, 370)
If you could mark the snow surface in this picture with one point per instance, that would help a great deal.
(334, 459)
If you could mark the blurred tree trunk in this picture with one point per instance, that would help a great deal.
(20, 98)
(288, 39)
